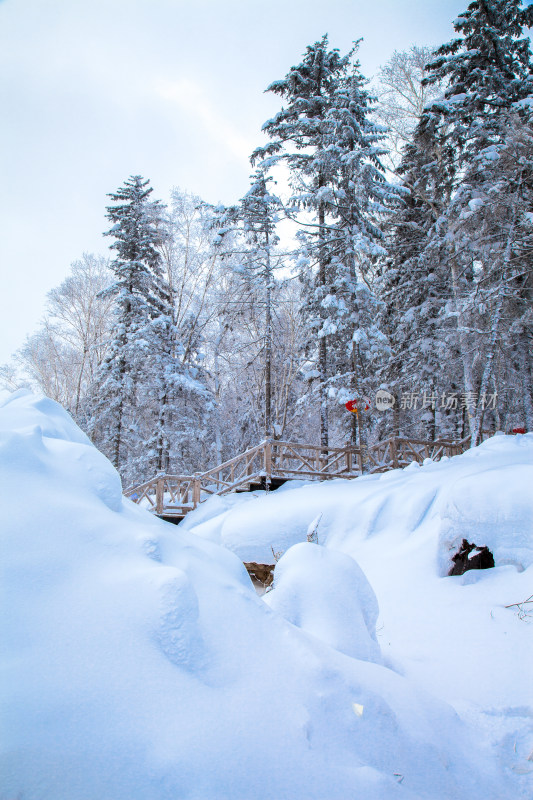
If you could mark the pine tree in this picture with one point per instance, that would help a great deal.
(489, 80)
(451, 285)
(300, 134)
(486, 69)
(325, 138)
(254, 220)
(415, 288)
(363, 198)
(490, 215)
(142, 310)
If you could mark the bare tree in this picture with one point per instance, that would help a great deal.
(402, 97)
(61, 358)
(80, 315)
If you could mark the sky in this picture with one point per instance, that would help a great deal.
(93, 92)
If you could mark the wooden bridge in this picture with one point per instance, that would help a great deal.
(273, 462)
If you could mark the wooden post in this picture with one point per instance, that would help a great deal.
(360, 459)
(267, 461)
(159, 495)
(394, 452)
(195, 492)
(348, 454)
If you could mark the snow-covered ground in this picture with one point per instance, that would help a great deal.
(137, 662)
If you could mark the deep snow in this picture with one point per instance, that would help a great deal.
(453, 637)
(137, 662)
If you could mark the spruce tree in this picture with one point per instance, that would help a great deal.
(415, 288)
(142, 306)
(363, 198)
(300, 134)
(325, 138)
(486, 70)
(489, 79)
(451, 287)
(254, 220)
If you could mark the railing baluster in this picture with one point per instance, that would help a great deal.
(394, 452)
(267, 460)
(159, 495)
(196, 486)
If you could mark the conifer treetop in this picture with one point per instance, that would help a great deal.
(489, 64)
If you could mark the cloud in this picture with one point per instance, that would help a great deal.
(190, 97)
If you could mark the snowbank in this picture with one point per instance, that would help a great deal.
(138, 663)
(454, 637)
(485, 492)
(326, 594)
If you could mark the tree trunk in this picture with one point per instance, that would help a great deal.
(396, 415)
(162, 443)
(495, 317)
(524, 356)
(322, 345)
(218, 427)
(268, 343)
(465, 349)
(487, 371)
(355, 432)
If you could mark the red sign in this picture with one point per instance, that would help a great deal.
(519, 430)
(357, 405)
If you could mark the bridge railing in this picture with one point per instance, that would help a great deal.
(289, 459)
(175, 495)
(236, 472)
(398, 451)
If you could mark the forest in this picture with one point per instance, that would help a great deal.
(384, 242)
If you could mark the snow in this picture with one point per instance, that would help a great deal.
(454, 637)
(326, 594)
(138, 663)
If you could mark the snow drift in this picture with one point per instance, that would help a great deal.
(454, 637)
(138, 663)
(326, 594)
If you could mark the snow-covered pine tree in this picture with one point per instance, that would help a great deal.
(299, 136)
(415, 288)
(488, 74)
(363, 198)
(252, 225)
(486, 70)
(331, 149)
(491, 216)
(123, 407)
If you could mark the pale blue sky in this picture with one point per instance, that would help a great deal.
(93, 91)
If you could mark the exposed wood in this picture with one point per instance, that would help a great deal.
(260, 573)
